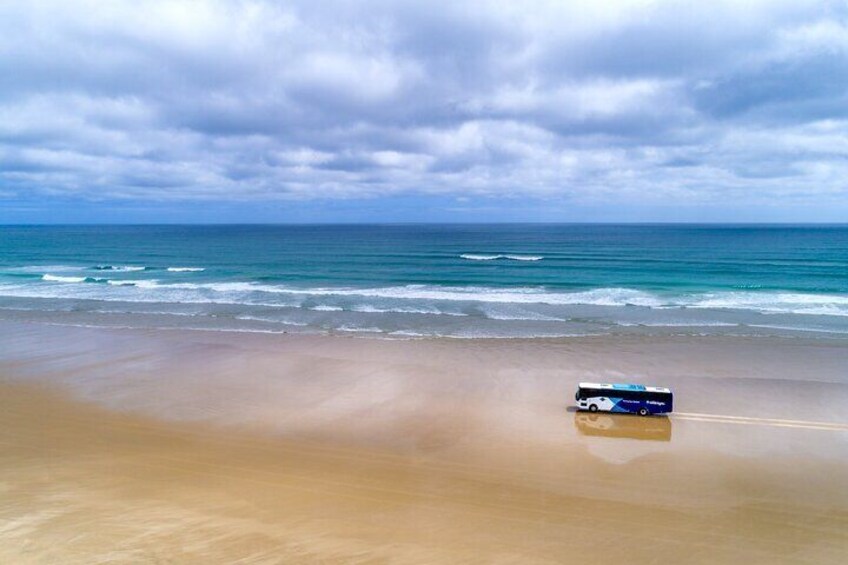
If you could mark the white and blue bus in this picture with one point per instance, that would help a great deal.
(627, 398)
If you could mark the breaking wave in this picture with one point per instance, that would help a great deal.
(774, 302)
(426, 299)
(63, 279)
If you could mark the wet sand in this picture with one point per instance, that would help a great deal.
(186, 446)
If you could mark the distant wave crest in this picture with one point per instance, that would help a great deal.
(40, 269)
(481, 257)
(186, 269)
(121, 268)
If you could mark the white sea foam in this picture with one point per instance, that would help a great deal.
(226, 330)
(243, 287)
(120, 293)
(186, 269)
(142, 283)
(797, 329)
(168, 328)
(409, 298)
(538, 335)
(326, 308)
(151, 313)
(772, 302)
(494, 313)
(57, 278)
(356, 329)
(481, 257)
(410, 333)
(599, 297)
(524, 257)
(368, 309)
(249, 318)
(693, 324)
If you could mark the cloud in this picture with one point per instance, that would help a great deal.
(615, 102)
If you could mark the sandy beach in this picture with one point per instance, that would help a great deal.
(124, 445)
(324, 282)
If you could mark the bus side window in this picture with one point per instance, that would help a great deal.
(627, 395)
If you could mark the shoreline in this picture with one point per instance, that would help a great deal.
(140, 446)
(245, 307)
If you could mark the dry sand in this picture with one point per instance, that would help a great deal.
(186, 446)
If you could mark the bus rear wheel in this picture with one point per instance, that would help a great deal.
(593, 408)
(643, 412)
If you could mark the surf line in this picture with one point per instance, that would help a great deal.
(801, 424)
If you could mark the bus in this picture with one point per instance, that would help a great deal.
(624, 398)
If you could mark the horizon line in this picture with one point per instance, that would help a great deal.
(434, 223)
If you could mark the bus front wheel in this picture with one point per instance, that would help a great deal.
(593, 408)
(643, 412)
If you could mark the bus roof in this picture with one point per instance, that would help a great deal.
(609, 386)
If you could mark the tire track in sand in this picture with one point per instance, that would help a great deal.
(773, 422)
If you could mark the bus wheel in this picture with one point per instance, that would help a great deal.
(593, 408)
(643, 411)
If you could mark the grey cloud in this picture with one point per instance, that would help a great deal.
(254, 100)
(804, 89)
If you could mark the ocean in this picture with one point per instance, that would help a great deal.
(420, 281)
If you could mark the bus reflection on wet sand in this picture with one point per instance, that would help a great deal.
(623, 426)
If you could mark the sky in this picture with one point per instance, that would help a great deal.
(395, 111)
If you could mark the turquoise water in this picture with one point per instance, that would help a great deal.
(433, 280)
